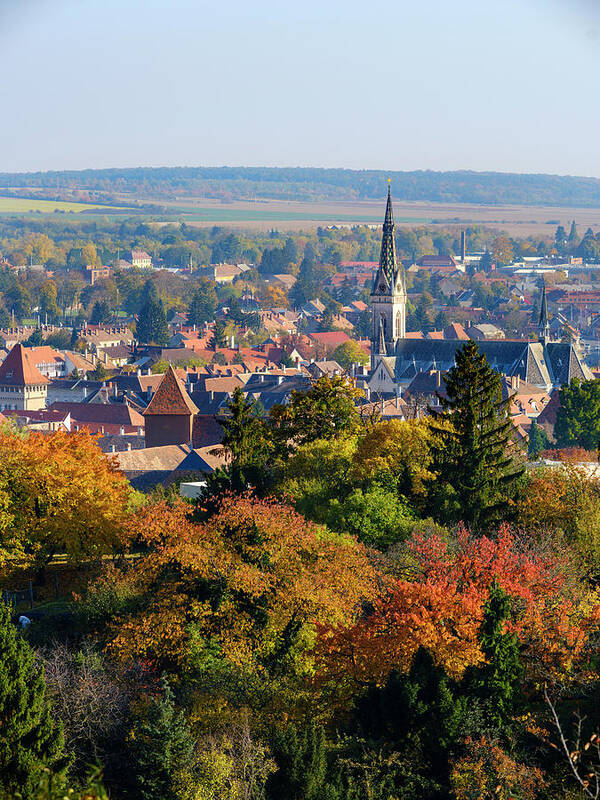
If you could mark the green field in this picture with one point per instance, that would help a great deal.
(23, 205)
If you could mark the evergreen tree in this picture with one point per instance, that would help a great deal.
(419, 715)
(560, 237)
(4, 317)
(35, 340)
(573, 237)
(203, 306)
(485, 263)
(152, 327)
(163, 751)
(100, 312)
(496, 682)
(476, 473)
(219, 337)
(301, 758)
(538, 440)
(74, 336)
(30, 740)
(578, 416)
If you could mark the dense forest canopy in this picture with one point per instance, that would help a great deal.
(304, 183)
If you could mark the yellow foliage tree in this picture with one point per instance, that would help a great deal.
(58, 493)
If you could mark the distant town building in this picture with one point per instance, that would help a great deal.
(95, 274)
(140, 258)
(170, 414)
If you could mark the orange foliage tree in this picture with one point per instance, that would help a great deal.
(442, 608)
(58, 493)
(249, 584)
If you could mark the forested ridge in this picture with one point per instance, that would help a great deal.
(303, 183)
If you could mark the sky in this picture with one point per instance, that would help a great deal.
(503, 85)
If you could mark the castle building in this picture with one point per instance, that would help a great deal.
(396, 360)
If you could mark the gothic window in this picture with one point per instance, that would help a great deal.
(398, 323)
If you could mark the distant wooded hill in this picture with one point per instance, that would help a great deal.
(298, 183)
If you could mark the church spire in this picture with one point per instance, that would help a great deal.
(388, 262)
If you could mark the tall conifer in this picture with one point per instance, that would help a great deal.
(473, 456)
(30, 740)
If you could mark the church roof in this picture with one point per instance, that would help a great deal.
(19, 369)
(171, 397)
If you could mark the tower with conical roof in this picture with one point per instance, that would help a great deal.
(22, 385)
(388, 296)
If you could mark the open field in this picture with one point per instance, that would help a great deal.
(23, 205)
(289, 215)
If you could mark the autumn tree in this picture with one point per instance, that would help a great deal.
(58, 493)
(502, 250)
(31, 740)
(237, 595)
(473, 456)
(443, 608)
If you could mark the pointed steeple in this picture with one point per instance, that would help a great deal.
(544, 322)
(388, 262)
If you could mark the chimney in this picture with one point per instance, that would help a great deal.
(397, 401)
(115, 391)
(368, 393)
(149, 371)
(438, 378)
(122, 431)
(101, 428)
(140, 431)
(113, 449)
(128, 446)
(279, 380)
(211, 394)
(84, 392)
(463, 246)
(139, 373)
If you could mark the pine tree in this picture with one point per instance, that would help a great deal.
(152, 324)
(538, 440)
(219, 337)
(203, 306)
(485, 263)
(163, 751)
(30, 740)
(100, 312)
(573, 237)
(497, 681)
(473, 457)
(301, 758)
(247, 439)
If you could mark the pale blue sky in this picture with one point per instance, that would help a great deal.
(508, 85)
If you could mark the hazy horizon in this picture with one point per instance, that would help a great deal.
(124, 83)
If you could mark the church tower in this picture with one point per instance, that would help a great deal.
(544, 321)
(388, 296)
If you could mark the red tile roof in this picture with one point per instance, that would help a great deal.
(171, 397)
(330, 338)
(19, 369)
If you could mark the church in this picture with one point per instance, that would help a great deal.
(396, 360)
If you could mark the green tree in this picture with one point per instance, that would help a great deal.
(349, 353)
(573, 239)
(325, 411)
(204, 304)
(485, 263)
(376, 516)
(301, 758)
(247, 442)
(473, 455)
(560, 237)
(100, 312)
(538, 440)
(420, 717)
(219, 337)
(30, 740)
(99, 373)
(152, 327)
(578, 416)
(496, 682)
(35, 340)
(163, 751)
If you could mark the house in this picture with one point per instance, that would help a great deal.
(484, 330)
(163, 464)
(170, 414)
(95, 274)
(227, 273)
(140, 258)
(22, 385)
(102, 417)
